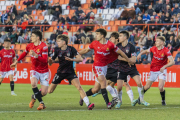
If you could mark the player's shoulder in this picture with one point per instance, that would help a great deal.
(30, 45)
(95, 42)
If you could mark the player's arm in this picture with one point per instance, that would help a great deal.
(77, 56)
(171, 62)
(124, 56)
(52, 59)
(142, 53)
(86, 50)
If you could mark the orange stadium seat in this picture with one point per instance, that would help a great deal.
(81, 46)
(117, 22)
(16, 3)
(73, 29)
(71, 12)
(35, 18)
(23, 6)
(41, 17)
(76, 46)
(88, 1)
(13, 46)
(28, 59)
(18, 46)
(23, 46)
(85, 6)
(56, 1)
(39, 12)
(108, 28)
(95, 11)
(34, 12)
(87, 11)
(174, 54)
(7, 7)
(123, 22)
(61, 2)
(111, 23)
(51, 1)
(86, 46)
(21, 2)
(50, 29)
(54, 22)
(18, 52)
(19, 7)
(114, 28)
(66, 1)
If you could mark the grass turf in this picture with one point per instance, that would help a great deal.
(63, 104)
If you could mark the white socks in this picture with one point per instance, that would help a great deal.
(130, 94)
(120, 95)
(111, 90)
(140, 94)
(86, 100)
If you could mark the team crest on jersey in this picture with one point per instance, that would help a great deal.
(68, 54)
(10, 52)
(162, 55)
(127, 51)
(46, 79)
(60, 55)
(37, 51)
(107, 49)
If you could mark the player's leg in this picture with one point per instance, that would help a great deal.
(119, 91)
(12, 84)
(83, 95)
(52, 87)
(56, 80)
(129, 91)
(2, 75)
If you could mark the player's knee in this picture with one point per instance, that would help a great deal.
(50, 91)
(33, 85)
(161, 88)
(43, 93)
(79, 88)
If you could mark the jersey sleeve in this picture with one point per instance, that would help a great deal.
(14, 55)
(74, 51)
(168, 53)
(44, 58)
(113, 47)
(55, 54)
(132, 51)
(91, 46)
(24, 53)
(45, 50)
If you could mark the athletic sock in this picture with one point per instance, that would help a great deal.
(163, 95)
(144, 90)
(86, 100)
(111, 90)
(140, 94)
(120, 95)
(130, 94)
(105, 95)
(89, 92)
(0, 83)
(115, 90)
(35, 96)
(38, 95)
(12, 85)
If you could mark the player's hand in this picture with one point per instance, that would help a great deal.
(119, 57)
(69, 59)
(13, 64)
(15, 72)
(50, 62)
(139, 57)
(33, 53)
(162, 69)
(130, 62)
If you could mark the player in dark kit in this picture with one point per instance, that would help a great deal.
(125, 69)
(65, 70)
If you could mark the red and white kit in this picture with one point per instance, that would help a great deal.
(39, 68)
(104, 54)
(7, 57)
(160, 58)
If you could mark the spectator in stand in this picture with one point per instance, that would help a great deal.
(29, 28)
(168, 10)
(89, 13)
(26, 38)
(24, 24)
(146, 4)
(13, 37)
(29, 2)
(150, 10)
(165, 5)
(151, 27)
(60, 31)
(149, 43)
(20, 39)
(172, 42)
(138, 21)
(13, 18)
(159, 6)
(85, 40)
(46, 27)
(91, 16)
(132, 13)
(155, 15)
(60, 18)
(166, 35)
(4, 17)
(65, 31)
(139, 8)
(124, 15)
(129, 28)
(18, 24)
(74, 19)
(38, 27)
(81, 18)
(74, 4)
(72, 39)
(115, 16)
(3, 37)
(158, 21)
(45, 5)
(90, 60)
(176, 44)
(39, 5)
(80, 36)
(161, 17)
(90, 36)
(60, 24)
(176, 21)
(137, 36)
(66, 18)
(178, 61)
(57, 5)
(24, 12)
(8, 29)
(141, 42)
(99, 20)
(56, 14)
(113, 3)
(105, 4)
(97, 4)
(146, 17)
(79, 11)
(176, 9)
(121, 3)
(89, 28)
(177, 55)
(66, 25)
(13, 9)
(1, 46)
(52, 37)
(169, 46)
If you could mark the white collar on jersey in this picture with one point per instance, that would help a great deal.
(40, 43)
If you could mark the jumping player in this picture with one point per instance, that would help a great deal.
(65, 55)
(126, 70)
(39, 69)
(159, 63)
(105, 53)
(7, 56)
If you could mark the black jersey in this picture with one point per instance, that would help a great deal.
(129, 50)
(65, 66)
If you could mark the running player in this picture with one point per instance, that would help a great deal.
(39, 69)
(7, 56)
(65, 55)
(105, 53)
(126, 70)
(159, 63)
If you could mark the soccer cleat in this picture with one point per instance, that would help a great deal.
(31, 104)
(41, 106)
(13, 94)
(109, 105)
(134, 102)
(119, 103)
(81, 102)
(90, 106)
(94, 95)
(113, 102)
(163, 103)
(145, 103)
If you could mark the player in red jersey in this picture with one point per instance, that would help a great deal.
(39, 69)
(7, 56)
(159, 63)
(105, 52)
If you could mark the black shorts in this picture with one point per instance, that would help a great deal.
(58, 77)
(111, 75)
(123, 75)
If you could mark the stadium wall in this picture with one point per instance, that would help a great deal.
(85, 74)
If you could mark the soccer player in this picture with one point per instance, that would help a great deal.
(7, 56)
(126, 70)
(159, 63)
(39, 69)
(65, 55)
(105, 52)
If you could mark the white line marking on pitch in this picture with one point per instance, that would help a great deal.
(81, 110)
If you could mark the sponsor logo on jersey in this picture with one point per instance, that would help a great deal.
(45, 48)
(158, 58)
(8, 56)
(102, 53)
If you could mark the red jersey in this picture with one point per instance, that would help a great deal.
(7, 57)
(39, 64)
(160, 58)
(104, 53)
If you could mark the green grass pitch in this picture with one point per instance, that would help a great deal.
(63, 104)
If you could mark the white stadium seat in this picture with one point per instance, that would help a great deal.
(2, 3)
(64, 6)
(99, 11)
(83, 1)
(8, 3)
(3, 8)
(111, 11)
(13, 2)
(50, 17)
(116, 11)
(131, 4)
(103, 16)
(105, 11)
(46, 17)
(108, 17)
(66, 12)
(96, 15)
(105, 23)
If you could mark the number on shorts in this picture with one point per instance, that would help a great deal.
(118, 75)
(99, 69)
(55, 77)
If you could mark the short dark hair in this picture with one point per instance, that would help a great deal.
(115, 34)
(161, 38)
(126, 33)
(63, 37)
(102, 31)
(21, 50)
(38, 33)
(7, 40)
